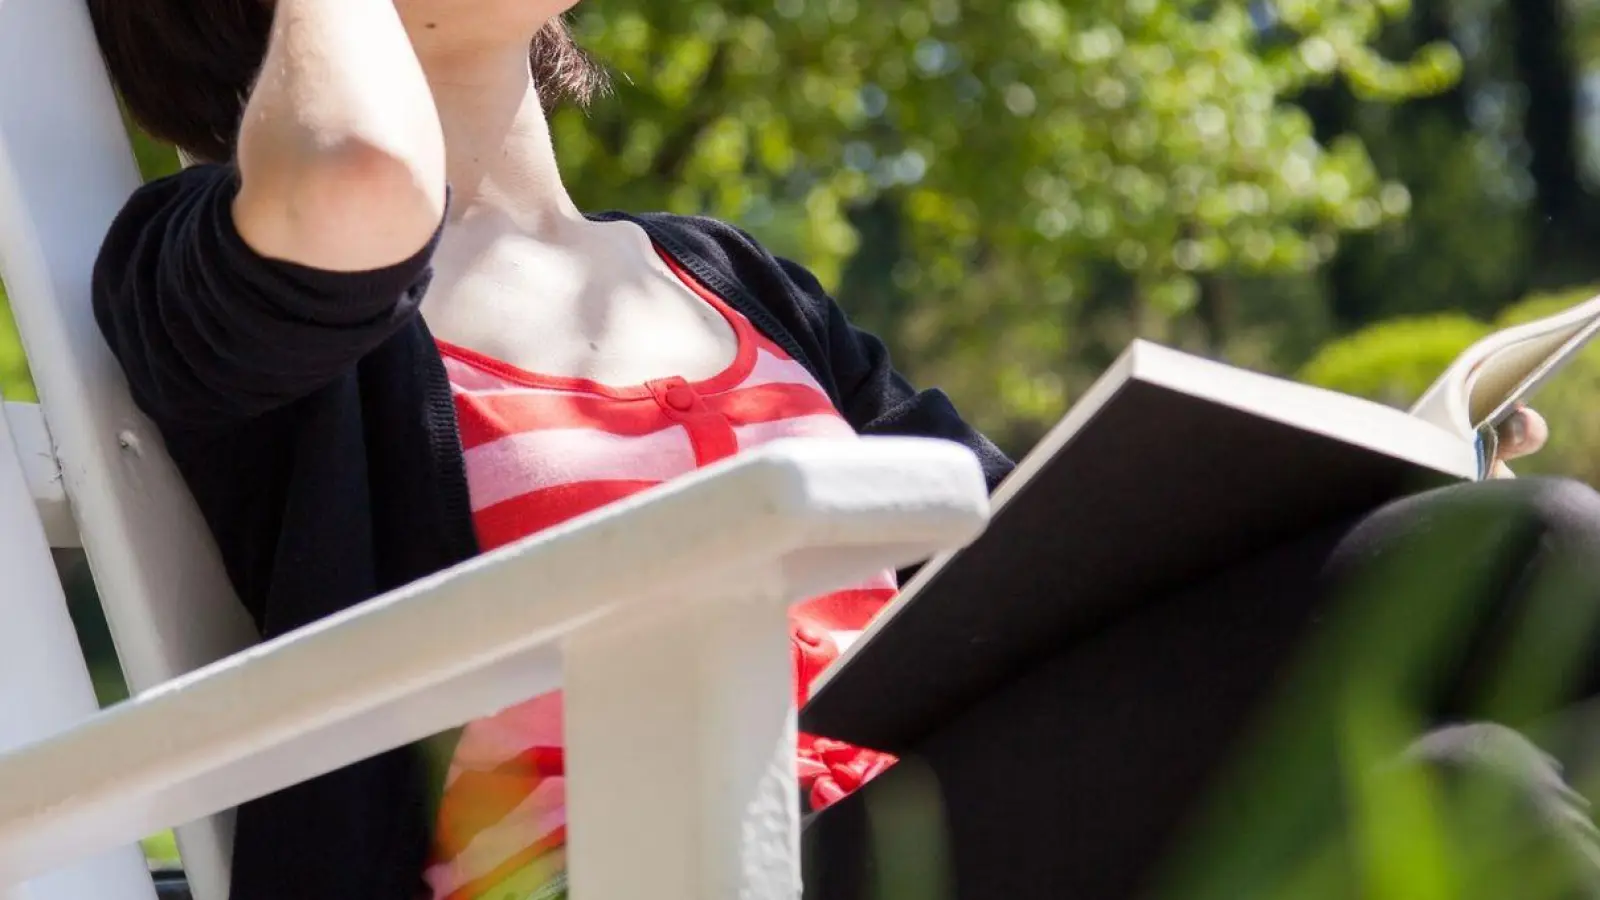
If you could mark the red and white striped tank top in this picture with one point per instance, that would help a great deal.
(540, 450)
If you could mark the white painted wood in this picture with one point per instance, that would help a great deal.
(39, 466)
(465, 643)
(44, 685)
(65, 169)
(680, 762)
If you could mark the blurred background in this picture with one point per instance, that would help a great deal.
(1346, 192)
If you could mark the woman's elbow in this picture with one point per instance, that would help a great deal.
(351, 207)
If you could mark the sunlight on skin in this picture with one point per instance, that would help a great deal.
(1525, 433)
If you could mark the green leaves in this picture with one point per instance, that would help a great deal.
(15, 384)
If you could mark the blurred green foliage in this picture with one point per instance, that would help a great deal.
(1150, 134)
(1395, 360)
(14, 381)
(1321, 805)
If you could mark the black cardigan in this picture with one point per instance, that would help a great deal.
(310, 415)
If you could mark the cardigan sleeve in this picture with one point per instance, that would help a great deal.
(875, 397)
(207, 330)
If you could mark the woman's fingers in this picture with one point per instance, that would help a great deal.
(1524, 433)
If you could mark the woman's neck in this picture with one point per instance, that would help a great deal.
(499, 155)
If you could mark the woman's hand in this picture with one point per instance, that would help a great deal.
(1524, 433)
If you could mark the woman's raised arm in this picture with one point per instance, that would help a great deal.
(341, 155)
(229, 290)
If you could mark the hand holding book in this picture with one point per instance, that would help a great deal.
(1482, 395)
(1524, 433)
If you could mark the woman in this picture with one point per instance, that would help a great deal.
(379, 337)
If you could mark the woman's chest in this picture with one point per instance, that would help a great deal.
(608, 311)
(539, 449)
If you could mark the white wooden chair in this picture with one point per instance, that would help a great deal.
(692, 659)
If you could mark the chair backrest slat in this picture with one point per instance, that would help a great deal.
(45, 686)
(65, 169)
(39, 466)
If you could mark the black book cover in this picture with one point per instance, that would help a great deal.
(1170, 469)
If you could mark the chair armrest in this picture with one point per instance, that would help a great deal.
(791, 519)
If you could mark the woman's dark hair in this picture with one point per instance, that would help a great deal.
(185, 68)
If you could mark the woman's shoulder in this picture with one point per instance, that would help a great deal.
(698, 235)
(186, 184)
(162, 204)
(733, 261)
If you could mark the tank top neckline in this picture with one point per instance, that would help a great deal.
(730, 377)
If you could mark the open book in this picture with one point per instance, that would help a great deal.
(1496, 375)
(1171, 470)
